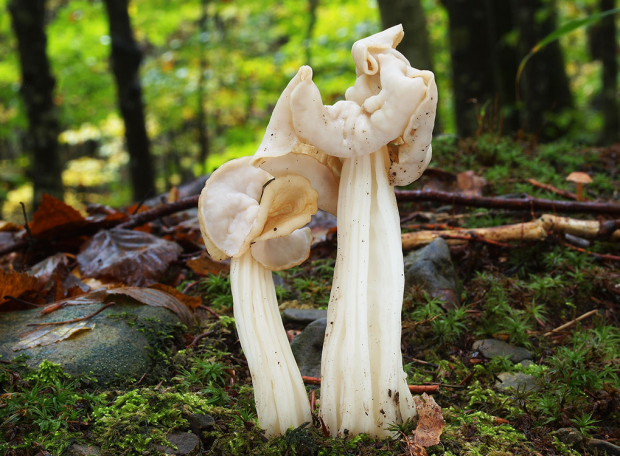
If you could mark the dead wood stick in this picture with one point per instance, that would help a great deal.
(570, 323)
(159, 212)
(530, 231)
(74, 320)
(552, 189)
(417, 389)
(522, 204)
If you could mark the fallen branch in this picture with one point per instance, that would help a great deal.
(570, 323)
(74, 320)
(522, 204)
(416, 389)
(525, 204)
(530, 231)
(552, 189)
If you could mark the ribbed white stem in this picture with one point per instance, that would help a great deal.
(279, 392)
(363, 385)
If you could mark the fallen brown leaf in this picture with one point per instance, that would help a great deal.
(469, 183)
(16, 284)
(190, 301)
(53, 217)
(157, 298)
(430, 422)
(204, 265)
(132, 257)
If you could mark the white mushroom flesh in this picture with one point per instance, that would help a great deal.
(279, 391)
(283, 252)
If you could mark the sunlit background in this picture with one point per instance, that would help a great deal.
(249, 50)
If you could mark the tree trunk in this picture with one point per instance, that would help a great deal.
(126, 57)
(608, 54)
(38, 92)
(312, 7)
(473, 65)
(544, 85)
(203, 124)
(415, 45)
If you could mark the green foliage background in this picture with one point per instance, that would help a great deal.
(252, 49)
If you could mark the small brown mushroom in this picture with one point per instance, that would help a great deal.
(579, 178)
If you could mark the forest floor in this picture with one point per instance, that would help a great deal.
(513, 291)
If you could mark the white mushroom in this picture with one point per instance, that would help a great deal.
(382, 133)
(248, 215)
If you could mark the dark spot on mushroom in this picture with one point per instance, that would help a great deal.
(275, 229)
(390, 393)
(382, 412)
(397, 398)
(346, 432)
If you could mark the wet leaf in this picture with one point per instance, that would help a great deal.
(16, 284)
(157, 298)
(132, 257)
(54, 217)
(204, 265)
(51, 266)
(48, 335)
(430, 423)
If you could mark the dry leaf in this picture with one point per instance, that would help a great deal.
(412, 448)
(157, 298)
(204, 265)
(53, 217)
(51, 266)
(470, 183)
(190, 301)
(16, 283)
(430, 422)
(132, 257)
(48, 335)
(9, 226)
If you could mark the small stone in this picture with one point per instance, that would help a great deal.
(188, 444)
(431, 268)
(601, 447)
(84, 450)
(569, 436)
(527, 363)
(515, 380)
(200, 423)
(492, 348)
(308, 348)
(303, 316)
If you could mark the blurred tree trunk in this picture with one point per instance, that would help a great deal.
(126, 58)
(37, 89)
(544, 85)
(607, 45)
(415, 45)
(312, 7)
(203, 124)
(473, 63)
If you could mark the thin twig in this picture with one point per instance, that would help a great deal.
(570, 323)
(26, 221)
(417, 389)
(75, 320)
(21, 301)
(552, 189)
(210, 310)
(199, 337)
(602, 256)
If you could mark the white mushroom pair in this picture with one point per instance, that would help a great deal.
(377, 138)
(382, 134)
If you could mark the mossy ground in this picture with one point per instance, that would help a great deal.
(514, 294)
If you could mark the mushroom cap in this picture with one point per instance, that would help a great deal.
(283, 252)
(282, 152)
(240, 204)
(579, 177)
(365, 51)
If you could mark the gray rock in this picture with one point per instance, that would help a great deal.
(308, 346)
(569, 436)
(186, 442)
(516, 380)
(601, 448)
(432, 268)
(492, 348)
(303, 316)
(200, 423)
(84, 450)
(526, 362)
(111, 350)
